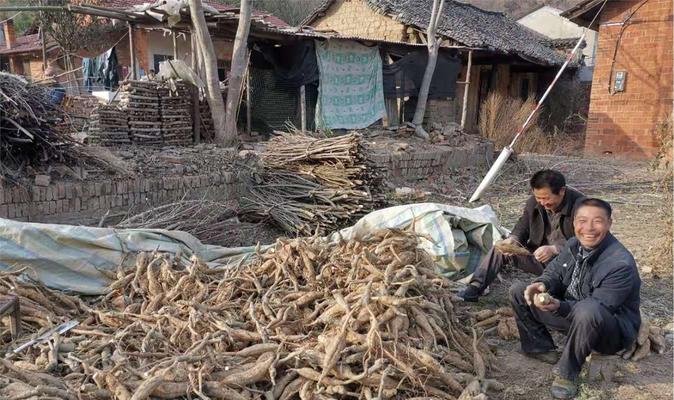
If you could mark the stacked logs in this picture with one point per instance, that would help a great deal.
(109, 125)
(176, 113)
(308, 320)
(140, 102)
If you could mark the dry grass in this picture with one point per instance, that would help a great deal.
(501, 117)
(663, 255)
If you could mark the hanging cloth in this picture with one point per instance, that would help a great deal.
(294, 65)
(404, 77)
(350, 92)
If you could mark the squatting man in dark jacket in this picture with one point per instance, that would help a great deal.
(592, 296)
(543, 229)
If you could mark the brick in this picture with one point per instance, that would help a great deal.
(4, 213)
(42, 180)
(61, 188)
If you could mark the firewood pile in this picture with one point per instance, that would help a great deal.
(311, 184)
(109, 125)
(176, 113)
(209, 221)
(34, 131)
(140, 102)
(365, 319)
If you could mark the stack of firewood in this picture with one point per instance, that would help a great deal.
(140, 102)
(108, 125)
(175, 109)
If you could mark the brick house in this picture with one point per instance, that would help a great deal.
(507, 57)
(22, 55)
(632, 82)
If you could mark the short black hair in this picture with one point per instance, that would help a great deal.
(595, 202)
(548, 178)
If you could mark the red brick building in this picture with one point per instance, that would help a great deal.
(632, 83)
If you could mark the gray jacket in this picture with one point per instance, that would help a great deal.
(613, 280)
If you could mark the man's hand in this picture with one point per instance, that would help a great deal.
(544, 254)
(553, 305)
(532, 290)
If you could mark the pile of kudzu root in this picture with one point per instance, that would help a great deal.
(307, 320)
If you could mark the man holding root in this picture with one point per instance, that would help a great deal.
(590, 292)
(538, 237)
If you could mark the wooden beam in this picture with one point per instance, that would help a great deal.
(464, 110)
(132, 51)
(303, 107)
(175, 45)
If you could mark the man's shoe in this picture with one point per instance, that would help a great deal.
(470, 293)
(548, 357)
(563, 388)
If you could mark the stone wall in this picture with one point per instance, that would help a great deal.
(86, 202)
(420, 164)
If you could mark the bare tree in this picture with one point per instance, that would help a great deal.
(433, 43)
(239, 61)
(206, 50)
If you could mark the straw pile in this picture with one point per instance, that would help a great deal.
(311, 184)
(309, 320)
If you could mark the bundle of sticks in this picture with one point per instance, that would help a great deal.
(209, 221)
(311, 184)
(34, 130)
(306, 320)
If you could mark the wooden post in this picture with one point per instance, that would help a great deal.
(175, 46)
(44, 50)
(249, 115)
(464, 110)
(133, 53)
(303, 107)
(196, 115)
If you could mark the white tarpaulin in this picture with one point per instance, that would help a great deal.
(70, 258)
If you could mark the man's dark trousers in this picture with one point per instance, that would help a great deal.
(589, 326)
(493, 262)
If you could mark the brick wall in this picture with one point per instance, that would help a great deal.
(623, 123)
(356, 18)
(421, 164)
(86, 202)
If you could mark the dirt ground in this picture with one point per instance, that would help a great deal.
(632, 189)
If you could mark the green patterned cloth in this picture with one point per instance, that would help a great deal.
(351, 85)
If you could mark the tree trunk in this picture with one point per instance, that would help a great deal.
(239, 61)
(214, 97)
(433, 49)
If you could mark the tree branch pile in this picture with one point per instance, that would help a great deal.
(34, 130)
(311, 184)
(307, 320)
(209, 221)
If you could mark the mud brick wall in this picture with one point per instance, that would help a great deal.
(624, 123)
(422, 164)
(86, 202)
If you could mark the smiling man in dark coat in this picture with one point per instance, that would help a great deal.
(594, 287)
(543, 229)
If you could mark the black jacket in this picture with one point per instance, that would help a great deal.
(613, 280)
(530, 228)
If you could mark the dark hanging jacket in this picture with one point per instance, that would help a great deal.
(612, 279)
(530, 228)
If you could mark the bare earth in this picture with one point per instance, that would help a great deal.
(632, 188)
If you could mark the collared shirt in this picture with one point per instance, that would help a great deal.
(553, 231)
(576, 289)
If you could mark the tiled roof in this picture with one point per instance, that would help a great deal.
(24, 44)
(128, 4)
(466, 24)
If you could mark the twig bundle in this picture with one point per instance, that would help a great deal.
(206, 220)
(308, 319)
(311, 184)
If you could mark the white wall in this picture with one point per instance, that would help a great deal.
(161, 44)
(546, 20)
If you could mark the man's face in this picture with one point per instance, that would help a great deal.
(549, 200)
(591, 225)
